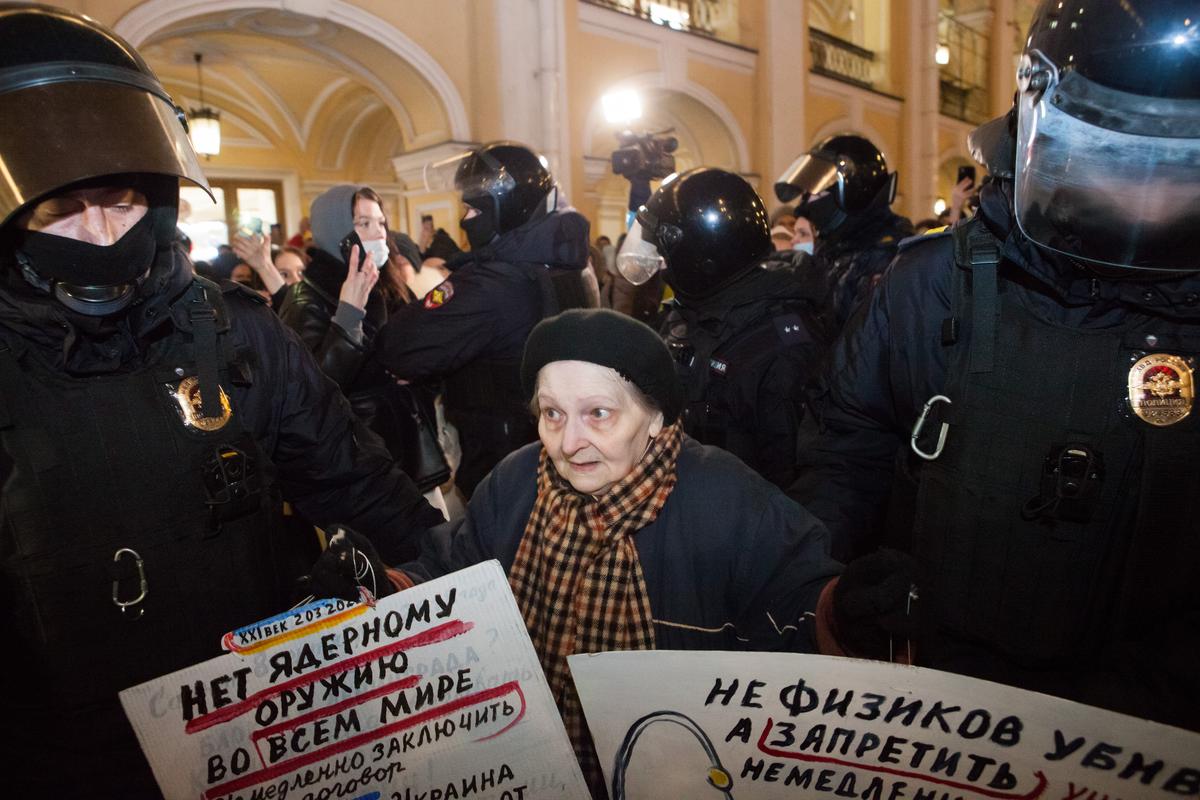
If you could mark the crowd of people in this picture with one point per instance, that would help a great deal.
(807, 430)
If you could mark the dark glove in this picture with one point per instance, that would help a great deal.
(348, 562)
(875, 604)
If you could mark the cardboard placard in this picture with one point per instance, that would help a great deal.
(774, 725)
(434, 693)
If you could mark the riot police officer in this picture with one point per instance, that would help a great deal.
(528, 260)
(145, 437)
(1014, 407)
(845, 189)
(744, 327)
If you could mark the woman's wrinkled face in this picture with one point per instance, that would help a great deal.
(594, 427)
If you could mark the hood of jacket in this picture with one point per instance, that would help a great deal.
(559, 239)
(332, 217)
(1089, 294)
(83, 345)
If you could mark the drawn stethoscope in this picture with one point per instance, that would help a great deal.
(718, 777)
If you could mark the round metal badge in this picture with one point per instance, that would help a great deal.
(1161, 389)
(188, 397)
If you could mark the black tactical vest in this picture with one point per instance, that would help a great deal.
(722, 378)
(117, 480)
(1056, 522)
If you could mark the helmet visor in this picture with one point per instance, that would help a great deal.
(1109, 177)
(809, 174)
(61, 133)
(638, 260)
(472, 172)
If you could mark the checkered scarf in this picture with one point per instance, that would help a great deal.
(577, 577)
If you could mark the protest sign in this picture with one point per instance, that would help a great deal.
(434, 693)
(774, 725)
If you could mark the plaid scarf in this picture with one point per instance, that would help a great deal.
(577, 578)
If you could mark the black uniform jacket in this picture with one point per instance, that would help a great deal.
(890, 359)
(745, 357)
(855, 260)
(328, 465)
(487, 306)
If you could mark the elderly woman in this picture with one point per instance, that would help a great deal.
(620, 533)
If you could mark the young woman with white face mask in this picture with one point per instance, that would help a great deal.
(337, 308)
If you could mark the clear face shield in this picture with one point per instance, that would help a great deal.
(638, 259)
(1104, 176)
(809, 175)
(471, 172)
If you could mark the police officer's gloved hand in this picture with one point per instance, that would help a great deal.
(348, 562)
(875, 604)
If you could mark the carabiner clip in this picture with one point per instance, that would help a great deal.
(116, 592)
(916, 431)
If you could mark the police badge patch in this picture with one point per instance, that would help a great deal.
(1161, 390)
(439, 295)
(187, 395)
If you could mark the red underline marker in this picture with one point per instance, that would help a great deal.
(284, 767)
(439, 633)
(1033, 794)
(336, 708)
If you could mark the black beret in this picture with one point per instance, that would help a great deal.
(610, 339)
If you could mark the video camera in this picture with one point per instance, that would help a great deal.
(645, 156)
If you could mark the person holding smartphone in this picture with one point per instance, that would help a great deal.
(333, 308)
(960, 195)
(337, 309)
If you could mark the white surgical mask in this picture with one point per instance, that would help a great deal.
(803, 247)
(378, 250)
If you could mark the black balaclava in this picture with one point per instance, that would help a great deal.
(100, 280)
(482, 228)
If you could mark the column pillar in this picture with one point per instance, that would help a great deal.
(1002, 80)
(921, 103)
(783, 73)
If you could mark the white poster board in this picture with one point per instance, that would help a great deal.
(773, 725)
(434, 693)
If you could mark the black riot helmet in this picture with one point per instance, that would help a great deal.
(705, 227)
(505, 181)
(841, 177)
(81, 108)
(1107, 166)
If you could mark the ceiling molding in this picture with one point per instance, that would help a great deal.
(310, 117)
(148, 18)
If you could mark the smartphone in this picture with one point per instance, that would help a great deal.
(251, 229)
(351, 240)
(966, 172)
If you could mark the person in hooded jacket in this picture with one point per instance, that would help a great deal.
(334, 309)
(339, 306)
(846, 192)
(1014, 405)
(745, 328)
(528, 260)
(150, 420)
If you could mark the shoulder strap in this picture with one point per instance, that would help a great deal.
(977, 252)
(196, 313)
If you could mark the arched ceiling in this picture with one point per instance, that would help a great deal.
(324, 95)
